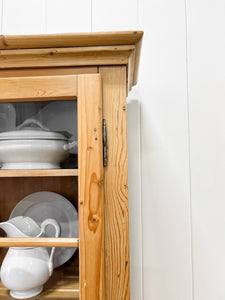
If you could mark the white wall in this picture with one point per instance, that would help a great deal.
(176, 138)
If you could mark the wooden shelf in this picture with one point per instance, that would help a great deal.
(39, 173)
(63, 284)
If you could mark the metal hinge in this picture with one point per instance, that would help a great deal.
(104, 137)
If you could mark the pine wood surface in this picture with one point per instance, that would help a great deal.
(55, 57)
(117, 255)
(39, 173)
(47, 71)
(85, 49)
(91, 209)
(39, 242)
(70, 39)
(14, 189)
(14, 89)
(115, 179)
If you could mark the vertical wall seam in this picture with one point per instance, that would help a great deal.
(189, 146)
(46, 5)
(91, 16)
(140, 181)
(140, 177)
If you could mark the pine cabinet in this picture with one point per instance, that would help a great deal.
(96, 71)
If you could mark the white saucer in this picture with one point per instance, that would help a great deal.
(43, 205)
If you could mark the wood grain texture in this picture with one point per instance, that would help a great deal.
(116, 184)
(70, 39)
(38, 173)
(91, 202)
(39, 242)
(12, 190)
(38, 88)
(69, 56)
(47, 71)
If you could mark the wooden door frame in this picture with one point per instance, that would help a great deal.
(87, 89)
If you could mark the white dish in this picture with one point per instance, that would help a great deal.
(48, 205)
(37, 148)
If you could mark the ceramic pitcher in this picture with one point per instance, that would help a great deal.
(25, 269)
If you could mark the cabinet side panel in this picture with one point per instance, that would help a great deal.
(91, 210)
(116, 184)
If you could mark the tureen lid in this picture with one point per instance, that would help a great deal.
(24, 131)
(31, 134)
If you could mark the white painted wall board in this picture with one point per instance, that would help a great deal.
(1, 16)
(23, 17)
(206, 61)
(68, 16)
(114, 15)
(167, 267)
(135, 206)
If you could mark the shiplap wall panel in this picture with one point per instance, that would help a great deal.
(114, 15)
(135, 205)
(206, 56)
(23, 17)
(167, 267)
(1, 16)
(68, 16)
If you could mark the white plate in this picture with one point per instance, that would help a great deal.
(43, 205)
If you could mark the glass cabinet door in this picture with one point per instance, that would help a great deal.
(51, 187)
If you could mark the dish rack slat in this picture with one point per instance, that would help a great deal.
(39, 242)
(38, 173)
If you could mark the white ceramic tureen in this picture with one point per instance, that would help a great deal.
(33, 146)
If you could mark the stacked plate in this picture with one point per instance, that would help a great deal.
(48, 205)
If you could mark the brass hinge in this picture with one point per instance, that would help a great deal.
(104, 137)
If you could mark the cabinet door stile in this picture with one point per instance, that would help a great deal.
(117, 266)
(91, 209)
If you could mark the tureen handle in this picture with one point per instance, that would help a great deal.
(70, 145)
(57, 227)
(32, 121)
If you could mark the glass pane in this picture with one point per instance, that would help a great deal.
(39, 199)
(52, 138)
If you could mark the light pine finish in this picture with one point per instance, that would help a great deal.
(56, 57)
(116, 184)
(40, 88)
(70, 40)
(53, 294)
(47, 71)
(14, 189)
(91, 202)
(39, 173)
(39, 242)
(58, 50)
(73, 54)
